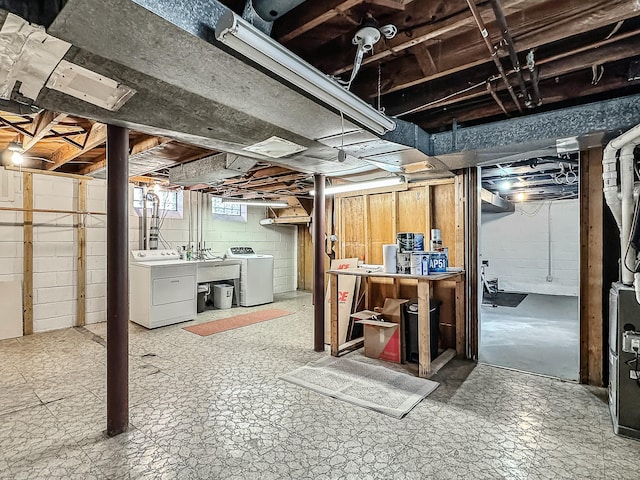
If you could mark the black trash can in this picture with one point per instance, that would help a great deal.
(410, 312)
(203, 296)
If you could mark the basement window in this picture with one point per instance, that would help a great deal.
(170, 203)
(228, 211)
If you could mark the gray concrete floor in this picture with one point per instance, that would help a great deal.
(214, 408)
(541, 335)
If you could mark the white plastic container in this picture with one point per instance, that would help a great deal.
(222, 296)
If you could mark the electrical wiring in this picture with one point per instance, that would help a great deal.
(533, 213)
(442, 99)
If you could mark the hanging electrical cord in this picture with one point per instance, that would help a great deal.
(442, 99)
(533, 213)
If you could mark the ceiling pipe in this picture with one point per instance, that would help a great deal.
(506, 36)
(492, 51)
(535, 79)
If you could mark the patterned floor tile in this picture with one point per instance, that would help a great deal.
(215, 408)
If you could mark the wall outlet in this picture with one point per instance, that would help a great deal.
(549, 278)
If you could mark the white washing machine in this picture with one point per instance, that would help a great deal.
(162, 288)
(256, 276)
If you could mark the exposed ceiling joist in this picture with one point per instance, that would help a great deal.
(95, 137)
(445, 93)
(464, 52)
(42, 125)
(309, 16)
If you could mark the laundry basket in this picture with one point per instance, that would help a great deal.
(222, 296)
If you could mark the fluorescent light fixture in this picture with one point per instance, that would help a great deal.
(248, 41)
(257, 203)
(352, 187)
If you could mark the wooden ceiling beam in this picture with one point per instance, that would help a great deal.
(404, 40)
(602, 52)
(96, 136)
(94, 167)
(142, 146)
(530, 27)
(41, 126)
(147, 143)
(571, 17)
(553, 91)
(307, 17)
(393, 4)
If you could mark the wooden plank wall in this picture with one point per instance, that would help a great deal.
(305, 250)
(592, 356)
(368, 221)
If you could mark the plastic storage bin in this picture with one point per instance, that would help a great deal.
(410, 311)
(222, 296)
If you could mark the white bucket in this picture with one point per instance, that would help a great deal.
(416, 263)
(222, 296)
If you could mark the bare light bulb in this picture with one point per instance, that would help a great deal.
(520, 197)
(505, 185)
(17, 158)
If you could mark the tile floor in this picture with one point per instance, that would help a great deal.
(213, 407)
(541, 335)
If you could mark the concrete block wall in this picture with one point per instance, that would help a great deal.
(516, 246)
(55, 245)
(11, 261)
(55, 248)
(219, 235)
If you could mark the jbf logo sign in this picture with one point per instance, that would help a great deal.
(437, 262)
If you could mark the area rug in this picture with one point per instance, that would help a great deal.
(224, 324)
(504, 299)
(362, 384)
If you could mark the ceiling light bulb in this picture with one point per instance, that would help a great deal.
(520, 197)
(506, 185)
(17, 158)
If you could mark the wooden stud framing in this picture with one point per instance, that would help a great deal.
(46, 172)
(459, 253)
(427, 216)
(333, 288)
(424, 327)
(81, 255)
(27, 282)
(591, 268)
(367, 229)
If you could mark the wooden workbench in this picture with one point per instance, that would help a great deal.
(424, 295)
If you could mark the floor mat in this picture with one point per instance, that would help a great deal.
(224, 324)
(362, 384)
(504, 299)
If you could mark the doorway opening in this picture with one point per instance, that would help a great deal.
(529, 249)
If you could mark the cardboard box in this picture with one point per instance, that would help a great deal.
(383, 330)
(382, 340)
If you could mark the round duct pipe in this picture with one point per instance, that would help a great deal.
(270, 10)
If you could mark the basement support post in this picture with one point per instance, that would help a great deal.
(318, 262)
(117, 280)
